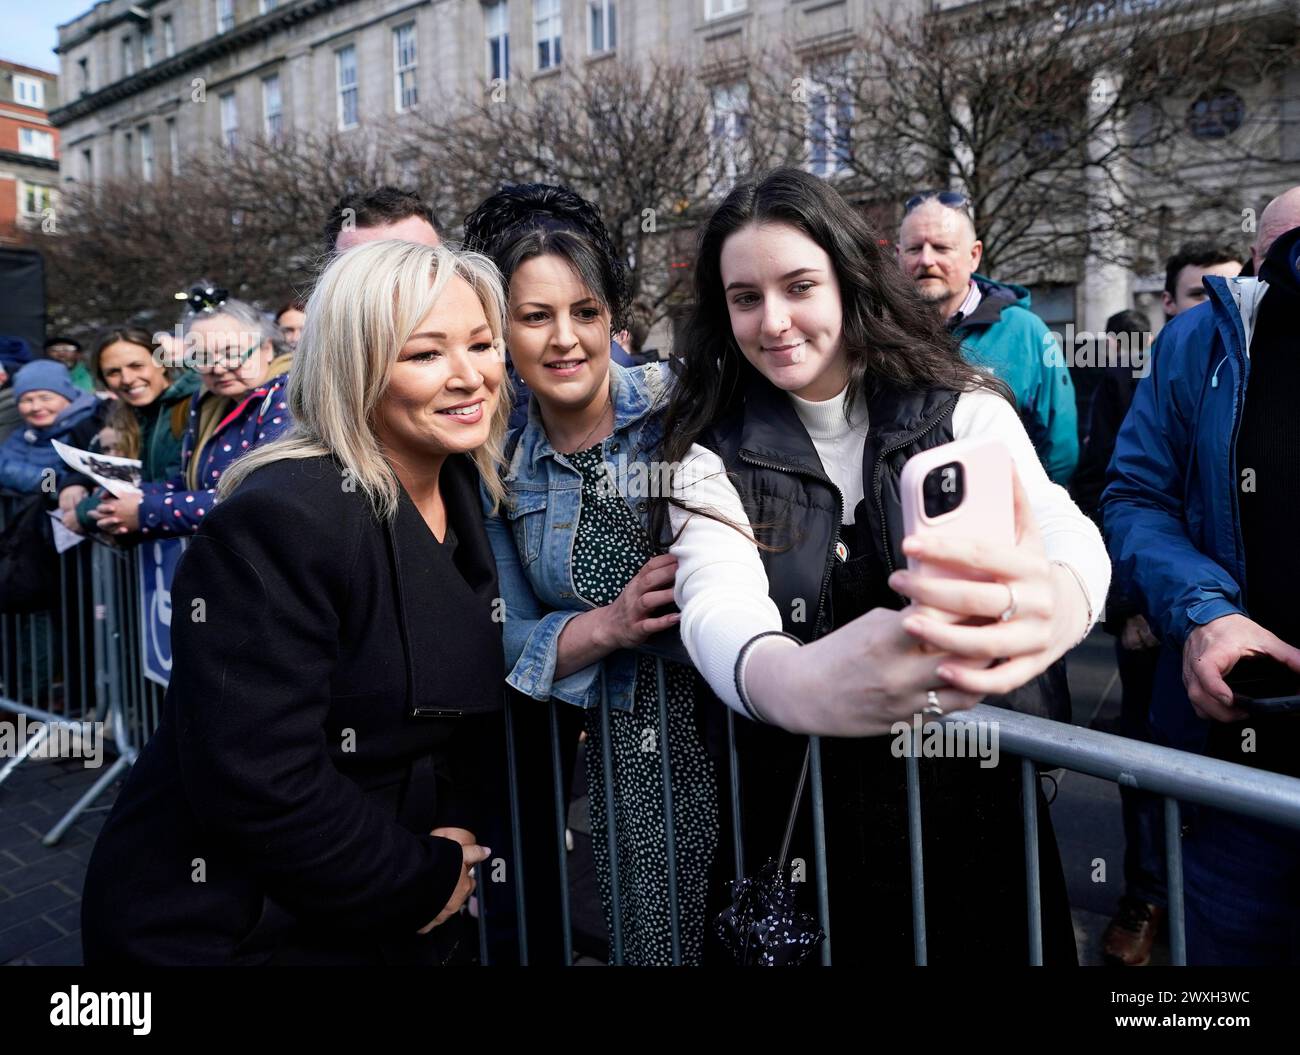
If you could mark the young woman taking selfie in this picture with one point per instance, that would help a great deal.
(811, 372)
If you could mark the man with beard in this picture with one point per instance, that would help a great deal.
(939, 250)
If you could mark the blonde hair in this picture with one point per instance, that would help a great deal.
(364, 308)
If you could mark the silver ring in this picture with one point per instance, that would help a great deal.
(932, 705)
(1011, 608)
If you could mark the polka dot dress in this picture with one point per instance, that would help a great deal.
(610, 548)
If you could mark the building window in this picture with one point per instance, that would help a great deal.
(225, 15)
(548, 28)
(229, 122)
(497, 20)
(830, 124)
(35, 198)
(169, 36)
(267, 5)
(602, 26)
(128, 57)
(36, 143)
(147, 55)
(718, 8)
(730, 125)
(128, 152)
(83, 72)
(405, 93)
(146, 153)
(173, 147)
(408, 171)
(1216, 114)
(346, 60)
(87, 166)
(30, 91)
(272, 119)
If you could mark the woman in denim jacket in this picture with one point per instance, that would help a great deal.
(581, 577)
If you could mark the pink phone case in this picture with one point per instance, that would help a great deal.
(987, 509)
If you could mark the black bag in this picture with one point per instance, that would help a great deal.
(763, 927)
(29, 564)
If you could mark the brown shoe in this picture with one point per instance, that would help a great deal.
(1130, 935)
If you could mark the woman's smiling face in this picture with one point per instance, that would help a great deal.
(131, 372)
(559, 333)
(444, 386)
(40, 408)
(783, 297)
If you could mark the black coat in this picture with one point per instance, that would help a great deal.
(336, 694)
(1110, 402)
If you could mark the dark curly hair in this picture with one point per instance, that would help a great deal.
(527, 220)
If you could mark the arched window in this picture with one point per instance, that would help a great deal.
(1215, 114)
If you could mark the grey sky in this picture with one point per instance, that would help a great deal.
(31, 29)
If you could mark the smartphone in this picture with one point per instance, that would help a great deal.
(1262, 685)
(961, 489)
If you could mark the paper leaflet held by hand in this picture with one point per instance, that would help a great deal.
(64, 539)
(118, 476)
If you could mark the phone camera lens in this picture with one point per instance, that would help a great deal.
(943, 489)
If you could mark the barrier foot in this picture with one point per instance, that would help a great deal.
(33, 742)
(111, 774)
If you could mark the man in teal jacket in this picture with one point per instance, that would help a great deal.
(939, 251)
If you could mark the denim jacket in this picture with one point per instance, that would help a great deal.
(534, 533)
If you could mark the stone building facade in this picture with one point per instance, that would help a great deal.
(150, 81)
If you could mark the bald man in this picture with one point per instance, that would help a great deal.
(1279, 216)
(939, 251)
(1200, 518)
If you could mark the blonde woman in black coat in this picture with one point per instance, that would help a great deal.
(330, 741)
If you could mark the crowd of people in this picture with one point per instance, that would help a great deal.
(414, 492)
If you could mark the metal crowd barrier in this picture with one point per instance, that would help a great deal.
(83, 664)
(76, 669)
(1177, 776)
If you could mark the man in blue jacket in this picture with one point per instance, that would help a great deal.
(1200, 517)
(939, 251)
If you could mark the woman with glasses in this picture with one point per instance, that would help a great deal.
(242, 403)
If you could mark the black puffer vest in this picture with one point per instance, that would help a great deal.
(795, 508)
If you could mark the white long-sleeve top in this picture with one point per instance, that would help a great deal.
(721, 586)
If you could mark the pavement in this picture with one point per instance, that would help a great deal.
(40, 887)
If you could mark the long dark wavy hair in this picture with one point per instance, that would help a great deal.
(890, 334)
(527, 220)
